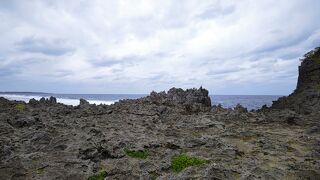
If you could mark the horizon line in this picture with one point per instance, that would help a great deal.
(12, 92)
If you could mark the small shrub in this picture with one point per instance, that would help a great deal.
(20, 107)
(141, 154)
(183, 161)
(100, 176)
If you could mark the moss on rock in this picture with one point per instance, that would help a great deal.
(183, 161)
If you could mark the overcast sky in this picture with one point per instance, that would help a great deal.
(132, 46)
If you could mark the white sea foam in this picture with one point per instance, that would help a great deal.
(73, 102)
(19, 97)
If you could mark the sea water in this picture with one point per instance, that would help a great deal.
(227, 101)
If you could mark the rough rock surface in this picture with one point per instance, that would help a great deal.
(306, 98)
(48, 140)
(309, 71)
(191, 100)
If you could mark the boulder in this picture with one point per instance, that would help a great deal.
(33, 102)
(84, 102)
(42, 100)
(240, 109)
(52, 100)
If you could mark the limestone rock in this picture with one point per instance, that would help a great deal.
(306, 98)
(192, 100)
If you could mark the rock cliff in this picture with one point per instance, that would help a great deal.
(309, 72)
(306, 97)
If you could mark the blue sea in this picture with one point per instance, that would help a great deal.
(227, 101)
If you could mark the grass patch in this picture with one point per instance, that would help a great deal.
(40, 171)
(183, 161)
(141, 154)
(196, 134)
(100, 176)
(20, 107)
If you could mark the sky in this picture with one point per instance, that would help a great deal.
(136, 46)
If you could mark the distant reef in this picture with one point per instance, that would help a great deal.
(176, 134)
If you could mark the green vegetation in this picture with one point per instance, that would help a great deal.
(153, 175)
(20, 107)
(196, 134)
(40, 171)
(100, 176)
(317, 60)
(183, 161)
(317, 87)
(142, 154)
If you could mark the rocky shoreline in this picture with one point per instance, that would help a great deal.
(144, 138)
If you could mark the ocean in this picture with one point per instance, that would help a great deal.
(227, 101)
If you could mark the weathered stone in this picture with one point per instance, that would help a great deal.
(192, 100)
(20, 122)
(52, 100)
(33, 102)
(306, 97)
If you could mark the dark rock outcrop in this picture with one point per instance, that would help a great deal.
(309, 72)
(84, 103)
(192, 100)
(306, 98)
(43, 100)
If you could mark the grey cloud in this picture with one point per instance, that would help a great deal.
(156, 44)
(51, 47)
(105, 63)
(292, 41)
(157, 77)
(111, 61)
(215, 11)
(61, 73)
(8, 72)
(223, 71)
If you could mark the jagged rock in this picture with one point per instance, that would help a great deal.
(240, 109)
(313, 130)
(306, 97)
(42, 100)
(52, 100)
(84, 103)
(20, 122)
(309, 72)
(192, 100)
(33, 102)
(97, 153)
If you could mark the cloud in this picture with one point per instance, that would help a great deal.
(98, 46)
(51, 47)
(215, 11)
